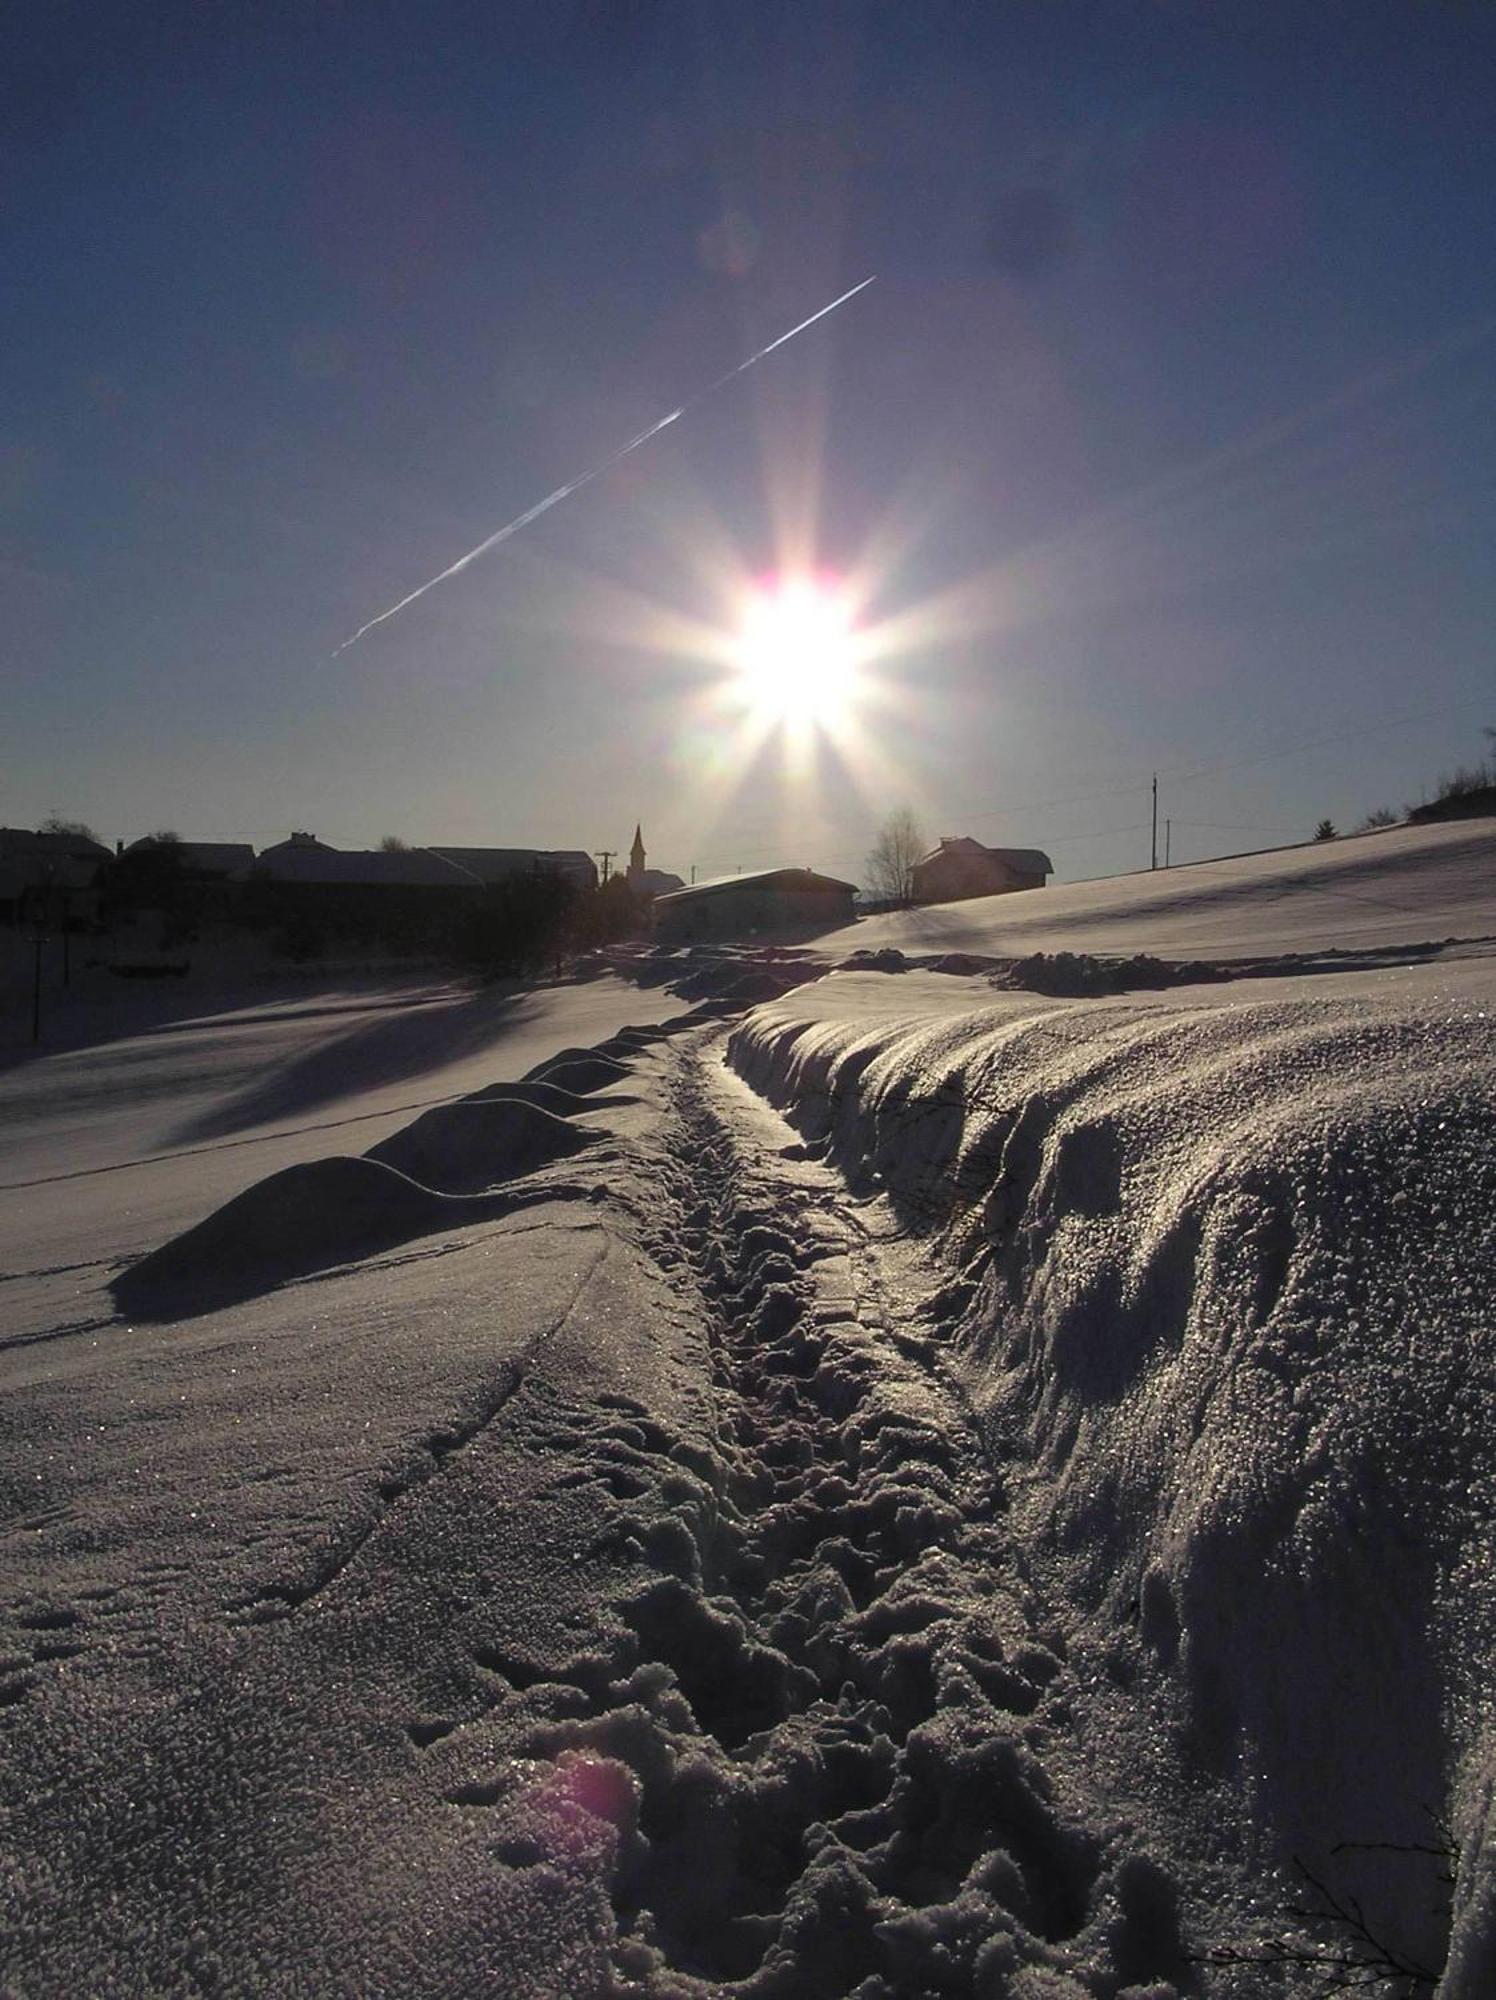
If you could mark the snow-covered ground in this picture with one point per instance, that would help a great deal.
(112, 1147)
(1401, 885)
(919, 1487)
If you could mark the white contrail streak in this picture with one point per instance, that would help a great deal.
(585, 479)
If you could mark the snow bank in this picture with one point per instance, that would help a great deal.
(447, 1169)
(464, 1148)
(1220, 1278)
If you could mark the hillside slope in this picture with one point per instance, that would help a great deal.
(1401, 886)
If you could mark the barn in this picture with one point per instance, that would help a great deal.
(776, 902)
(961, 867)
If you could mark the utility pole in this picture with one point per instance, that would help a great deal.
(693, 874)
(36, 987)
(605, 855)
(1168, 839)
(1153, 863)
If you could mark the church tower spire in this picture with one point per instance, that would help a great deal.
(636, 860)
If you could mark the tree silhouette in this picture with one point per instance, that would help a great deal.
(73, 829)
(892, 857)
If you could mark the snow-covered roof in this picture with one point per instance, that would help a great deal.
(803, 881)
(497, 864)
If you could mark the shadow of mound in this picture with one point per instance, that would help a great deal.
(307, 1218)
(406, 1044)
(464, 1148)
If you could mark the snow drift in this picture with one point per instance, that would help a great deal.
(465, 1148)
(306, 1218)
(1220, 1280)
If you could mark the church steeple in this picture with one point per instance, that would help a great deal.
(636, 860)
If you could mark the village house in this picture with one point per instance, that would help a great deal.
(961, 867)
(50, 878)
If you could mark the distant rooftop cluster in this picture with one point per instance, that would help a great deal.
(304, 858)
(68, 860)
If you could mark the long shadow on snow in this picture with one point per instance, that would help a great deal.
(378, 1053)
(442, 1171)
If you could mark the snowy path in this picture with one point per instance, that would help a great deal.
(549, 1583)
(1219, 1265)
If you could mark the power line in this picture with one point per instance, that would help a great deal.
(1320, 742)
(1054, 803)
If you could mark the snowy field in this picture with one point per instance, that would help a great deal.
(1399, 886)
(920, 1486)
(112, 1147)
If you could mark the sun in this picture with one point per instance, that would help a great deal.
(796, 652)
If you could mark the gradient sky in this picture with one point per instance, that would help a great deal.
(1166, 438)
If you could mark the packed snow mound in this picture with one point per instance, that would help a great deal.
(544, 1097)
(463, 1148)
(579, 1071)
(716, 972)
(959, 963)
(632, 1041)
(743, 978)
(1221, 1280)
(887, 960)
(1079, 975)
(306, 1218)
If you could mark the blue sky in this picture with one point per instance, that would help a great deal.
(1165, 439)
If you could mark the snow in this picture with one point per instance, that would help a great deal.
(916, 1485)
(1224, 1266)
(1400, 885)
(114, 1147)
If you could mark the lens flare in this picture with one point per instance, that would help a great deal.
(797, 652)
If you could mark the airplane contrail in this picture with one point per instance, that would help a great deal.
(585, 478)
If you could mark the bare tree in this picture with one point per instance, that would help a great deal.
(391, 843)
(890, 862)
(75, 829)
